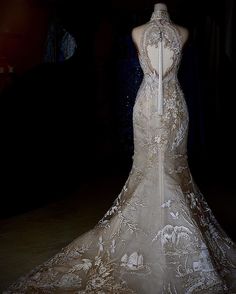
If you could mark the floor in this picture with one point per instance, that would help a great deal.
(32, 237)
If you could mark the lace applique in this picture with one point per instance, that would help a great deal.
(159, 236)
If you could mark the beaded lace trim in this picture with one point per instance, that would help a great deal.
(160, 14)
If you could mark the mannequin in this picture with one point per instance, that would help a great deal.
(137, 31)
(159, 235)
(159, 54)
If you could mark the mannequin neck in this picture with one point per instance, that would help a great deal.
(160, 12)
(160, 6)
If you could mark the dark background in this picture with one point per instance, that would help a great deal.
(65, 121)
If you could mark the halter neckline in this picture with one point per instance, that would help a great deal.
(160, 14)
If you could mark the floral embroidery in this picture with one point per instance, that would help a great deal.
(146, 243)
(166, 204)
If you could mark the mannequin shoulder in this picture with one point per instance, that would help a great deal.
(184, 32)
(136, 34)
(137, 31)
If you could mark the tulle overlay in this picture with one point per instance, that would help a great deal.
(159, 236)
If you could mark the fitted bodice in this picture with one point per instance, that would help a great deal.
(160, 109)
(160, 33)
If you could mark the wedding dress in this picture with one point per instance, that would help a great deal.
(159, 235)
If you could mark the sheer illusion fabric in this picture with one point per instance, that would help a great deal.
(159, 236)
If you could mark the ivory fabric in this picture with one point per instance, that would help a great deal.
(159, 236)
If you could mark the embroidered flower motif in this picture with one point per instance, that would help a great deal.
(102, 269)
(157, 139)
(174, 215)
(97, 282)
(166, 204)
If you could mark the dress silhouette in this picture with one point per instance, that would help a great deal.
(159, 236)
